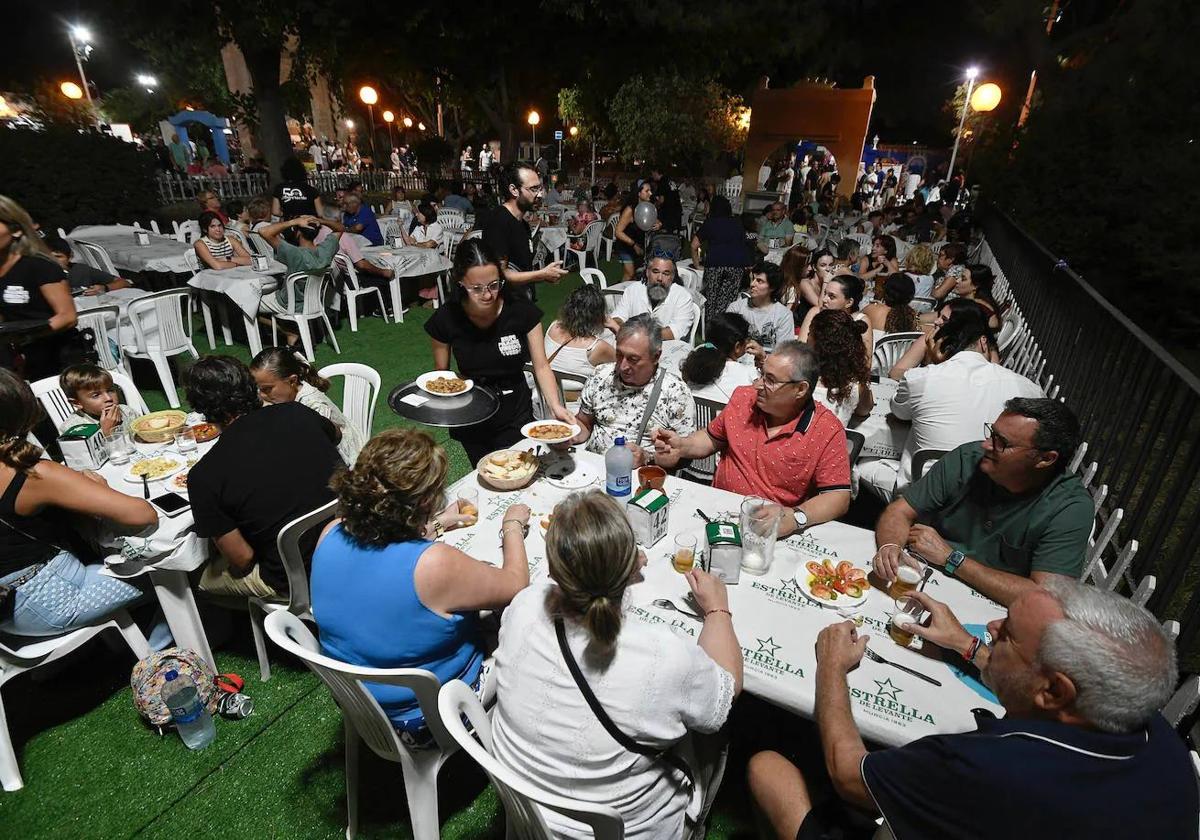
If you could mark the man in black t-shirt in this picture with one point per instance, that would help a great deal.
(506, 233)
(270, 465)
(80, 275)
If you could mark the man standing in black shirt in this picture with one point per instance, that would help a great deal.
(506, 232)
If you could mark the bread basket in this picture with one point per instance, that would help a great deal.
(507, 483)
(159, 426)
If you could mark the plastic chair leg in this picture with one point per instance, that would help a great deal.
(382, 308)
(352, 306)
(260, 641)
(208, 322)
(163, 365)
(10, 771)
(132, 634)
(420, 788)
(306, 339)
(329, 332)
(352, 747)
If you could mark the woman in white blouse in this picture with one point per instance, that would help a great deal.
(577, 342)
(656, 686)
(424, 232)
(713, 369)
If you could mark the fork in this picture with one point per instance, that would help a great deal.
(875, 657)
(665, 604)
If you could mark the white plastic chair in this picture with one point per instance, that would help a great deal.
(364, 720)
(166, 308)
(448, 217)
(95, 256)
(260, 246)
(97, 319)
(591, 242)
(521, 799)
(188, 232)
(890, 348)
(58, 407)
(16, 659)
(299, 602)
(704, 470)
(697, 321)
(608, 234)
(1182, 703)
(360, 392)
(313, 309)
(353, 290)
(594, 276)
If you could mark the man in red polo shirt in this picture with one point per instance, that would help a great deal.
(776, 442)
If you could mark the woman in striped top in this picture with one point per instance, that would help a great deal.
(214, 249)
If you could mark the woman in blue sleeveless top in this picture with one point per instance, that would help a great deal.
(385, 594)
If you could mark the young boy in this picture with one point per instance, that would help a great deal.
(92, 281)
(94, 397)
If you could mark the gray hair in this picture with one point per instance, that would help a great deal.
(803, 359)
(644, 323)
(1118, 656)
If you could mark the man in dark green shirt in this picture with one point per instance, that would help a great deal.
(1001, 515)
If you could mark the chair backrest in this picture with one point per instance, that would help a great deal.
(521, 798)
(234, 233)
(594, 276)
(288, 543)
(592, 235)
(95, 256)
(609, 231)
(697, 319)
(922, 460)
(855, 441)
(188, 231)
(260, 245)
(342, 266)
(360, 392)
(890, 348)
(58, 406)
(449, 217)
(706, 410)
(1182, 703)
(167, 309)
(97, 320)
(863, 239)
(345, 682)
(192, 260)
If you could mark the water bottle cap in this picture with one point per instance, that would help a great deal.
(620, 441)
(171, 675)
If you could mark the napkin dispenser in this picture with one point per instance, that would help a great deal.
(141, 237)
(82, 446)
(724, 550)
(647, 513)
(260, 262)
(397, 242)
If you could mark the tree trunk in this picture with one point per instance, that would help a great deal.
(271, 134)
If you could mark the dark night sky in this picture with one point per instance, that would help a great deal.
(914, 74)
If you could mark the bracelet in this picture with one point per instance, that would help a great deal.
(707, 613)
(885, 545)
(973, 650)
(523, 525)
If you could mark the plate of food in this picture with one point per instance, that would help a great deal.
(156, 468)
(508, 469)
(549, 431)
(444, 383)
(205, 432)
(833, 584)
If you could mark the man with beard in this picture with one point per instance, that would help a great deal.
(1081, 752)
(506, 233)
(1001, 515)
(660, 296)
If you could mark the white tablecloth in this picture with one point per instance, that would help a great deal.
(885, 434)
(408, 261)
(243, 284)
(554, 237)
(775, 624)
(164, 253)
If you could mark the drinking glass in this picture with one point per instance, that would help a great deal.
(185, 441)
(908, 577)
(760, 528)
(468, 502)
(118, 446)
(684, 557)
(908, 612)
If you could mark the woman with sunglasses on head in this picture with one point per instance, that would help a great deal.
(492, 334)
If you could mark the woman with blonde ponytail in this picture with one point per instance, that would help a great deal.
(657, 687)
(52, 575)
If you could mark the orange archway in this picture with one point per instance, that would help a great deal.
(834, 118)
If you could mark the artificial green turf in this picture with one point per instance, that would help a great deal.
(92, 770)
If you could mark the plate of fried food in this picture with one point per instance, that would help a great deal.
(205, 432)
(155, 468)
(549, 431)
(508, 469)
(444, 383)
(833, 584)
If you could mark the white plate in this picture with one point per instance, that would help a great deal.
(574, 431)
(180, 463)
(579, 478)
(449, 374)
(802, 576)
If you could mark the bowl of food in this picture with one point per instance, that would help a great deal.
(549, 431)
(159, 426)
(508, 469)
(444, 383)
(205, 432)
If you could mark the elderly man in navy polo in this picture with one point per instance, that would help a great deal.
(1082, 751)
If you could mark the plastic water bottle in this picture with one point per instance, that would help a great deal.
(187, 711)
(618, 468)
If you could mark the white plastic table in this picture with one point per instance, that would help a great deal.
(775, 623)
(164, 253)
(245, 286)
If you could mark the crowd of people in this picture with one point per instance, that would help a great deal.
(788, 353)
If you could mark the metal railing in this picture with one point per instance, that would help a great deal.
(173, 188)
(1140, 413)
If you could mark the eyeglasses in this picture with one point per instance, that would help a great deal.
(999, 442)
(772, 384)
(480, 291)
(536, 189)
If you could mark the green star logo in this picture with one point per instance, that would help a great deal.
(886, 689)
(764, 644)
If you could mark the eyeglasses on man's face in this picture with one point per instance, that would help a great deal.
(999, 442)
(772, 384)
(479, 291)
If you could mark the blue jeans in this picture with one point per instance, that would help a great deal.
(64, 595)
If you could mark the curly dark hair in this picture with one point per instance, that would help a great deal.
(582, 313)
(221, 388)
(898, 291)
(393, 488)
(836, 338)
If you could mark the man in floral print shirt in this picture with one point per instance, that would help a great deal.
(613, 401)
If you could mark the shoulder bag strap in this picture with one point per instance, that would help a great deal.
(666, 756)
(650, 404)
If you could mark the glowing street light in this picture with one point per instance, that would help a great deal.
(533, 119)
(147, 81)
(81, 47)
(574, 131)
(350, 124)
(71, 90)
(972, 73)
(408, 122)
(421, 126)
(369, 97)
(389, 118)
(986, 98)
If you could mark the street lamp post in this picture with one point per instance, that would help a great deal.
(81, 48)
(533, 120)
(972, 72)
(369, 97)
(389, 118)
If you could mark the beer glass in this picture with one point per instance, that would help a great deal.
(685, 553)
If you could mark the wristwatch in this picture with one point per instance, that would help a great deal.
(801, 519)
(955, 560)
